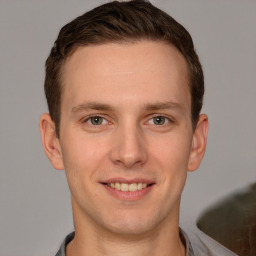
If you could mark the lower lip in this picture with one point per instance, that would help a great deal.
(126, 195)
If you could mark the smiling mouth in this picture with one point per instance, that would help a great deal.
(125, 187)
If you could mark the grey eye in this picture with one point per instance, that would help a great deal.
(159, 120)
(96, 120)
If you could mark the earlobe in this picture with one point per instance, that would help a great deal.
(198, 143)
(50, 141)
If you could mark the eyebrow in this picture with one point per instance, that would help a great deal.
(147, 107)
(162, 105)
(93, 106)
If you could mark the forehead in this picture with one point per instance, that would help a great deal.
(142, 70)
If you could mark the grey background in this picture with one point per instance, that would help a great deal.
(35, 211)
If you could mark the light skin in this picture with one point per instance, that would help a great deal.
(126, 118)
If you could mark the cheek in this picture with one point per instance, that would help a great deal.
(83, 150)
(172, 151)
(84, 155)
(171, 156)
(81, 157)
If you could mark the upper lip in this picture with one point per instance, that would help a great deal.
(128, 181)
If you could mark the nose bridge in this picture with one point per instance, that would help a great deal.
(129, 148)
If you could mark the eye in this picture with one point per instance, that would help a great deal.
(96, 120)
(159, 120)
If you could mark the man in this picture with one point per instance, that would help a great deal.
(124, 87)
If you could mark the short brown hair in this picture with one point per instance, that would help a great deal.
(127, 21)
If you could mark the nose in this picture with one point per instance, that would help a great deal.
(129, 147)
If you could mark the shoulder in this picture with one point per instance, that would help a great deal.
(62, 250)
(199, 244)
(204, 245)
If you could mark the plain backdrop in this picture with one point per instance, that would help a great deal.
(35, 210)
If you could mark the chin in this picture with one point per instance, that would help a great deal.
(131, 225)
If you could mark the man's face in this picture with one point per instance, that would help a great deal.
(126, 119)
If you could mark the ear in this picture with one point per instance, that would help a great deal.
(198, 143)
(50, 141)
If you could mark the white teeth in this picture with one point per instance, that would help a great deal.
(133, 187)
(117, 186)
(128, 187)
(124, 187)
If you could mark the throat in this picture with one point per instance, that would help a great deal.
(124, 246)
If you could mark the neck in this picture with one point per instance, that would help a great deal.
(164, 240)
(118, 247)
